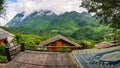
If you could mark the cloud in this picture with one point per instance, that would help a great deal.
(29, 6)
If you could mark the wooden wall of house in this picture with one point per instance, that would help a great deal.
(60, 43)
(57, 43)
(52, 44)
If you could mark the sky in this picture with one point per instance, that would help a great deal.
(12, 0)
(29, 6)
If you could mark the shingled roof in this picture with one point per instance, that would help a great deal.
(56, 38)
(4, 34)
(103, 45)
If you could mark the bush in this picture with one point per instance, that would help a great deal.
(2, 50)
(90, 46)
(30, 47)
(3, 59)
(88, 43)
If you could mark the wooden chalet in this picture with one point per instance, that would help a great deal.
(4, 35)
(59, 43)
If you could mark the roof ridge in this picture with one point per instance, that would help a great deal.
(55, 38)
(4, 34)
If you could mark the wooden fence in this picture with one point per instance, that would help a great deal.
(58, 48)
(12, 51)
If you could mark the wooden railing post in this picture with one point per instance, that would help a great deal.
(22, 46)
(7, 51)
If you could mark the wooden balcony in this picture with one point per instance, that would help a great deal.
(35, 59)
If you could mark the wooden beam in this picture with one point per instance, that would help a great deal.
(7, 51)
(59, 47)
(22, 47)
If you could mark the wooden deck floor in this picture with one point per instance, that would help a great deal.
(34, 59)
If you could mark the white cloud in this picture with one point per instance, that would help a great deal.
(29, 6)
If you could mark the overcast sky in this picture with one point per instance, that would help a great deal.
(29, 6)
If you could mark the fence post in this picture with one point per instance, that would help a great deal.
(7, 51)
(22, 47)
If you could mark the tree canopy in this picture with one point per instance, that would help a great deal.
(107, 11)
(1, 7)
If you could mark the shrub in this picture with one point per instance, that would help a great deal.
(88, 43)
(2, 50)
(3, 59)
(30, 47)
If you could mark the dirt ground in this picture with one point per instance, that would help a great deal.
(2, 65)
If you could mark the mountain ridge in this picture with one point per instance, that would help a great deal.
(19, 19)
(75, 25)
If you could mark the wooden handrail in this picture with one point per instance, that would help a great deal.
(8, 50)
(15, 47)
(22, 46)
(59, 47)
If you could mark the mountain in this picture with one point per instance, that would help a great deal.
(35, 19)
(71, 24)
(67, 22)
(17, 20)
(44, 19)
